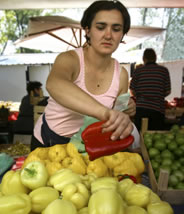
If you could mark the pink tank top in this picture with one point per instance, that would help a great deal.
(65, 122)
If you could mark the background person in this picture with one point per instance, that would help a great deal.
(25, 121)
(150, 85)
(87, 80)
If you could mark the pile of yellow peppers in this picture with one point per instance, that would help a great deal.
(67, 156)
(66, 192)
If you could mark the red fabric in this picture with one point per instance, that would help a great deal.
(13, 116)
(18, 163)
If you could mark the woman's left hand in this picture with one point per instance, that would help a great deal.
(131, 108)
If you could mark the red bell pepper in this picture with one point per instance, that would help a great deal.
(98, 144)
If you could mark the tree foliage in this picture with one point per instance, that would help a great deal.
(174, 41)
(13, 25)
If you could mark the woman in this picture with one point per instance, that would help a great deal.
(87, 80)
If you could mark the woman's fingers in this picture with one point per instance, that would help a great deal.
(123, 130)
(119, 123)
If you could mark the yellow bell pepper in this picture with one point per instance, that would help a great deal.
(84, 210)
(59, 206)
(135, 209)
(114, 160)
(138, 161)
(76, 164)
(104, 183)
(124, 185)
(105, 201)
(77, 193)
(72, 150)
(125, 163)
(11, 183)
(86, 159)
(41, 152)
(41, 197)
(53, 167)
(98, 167)
(160, 207)
(19, 203)
(126, 167)
(63, 177)
(138, 195)
(57, 153)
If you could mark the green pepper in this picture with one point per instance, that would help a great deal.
(41, 197)
(160, 207)
(105, 201)
(77, 193)
(99, 144)
(19, 203)
(84, 210)
(63, 177)
(11, 183)
(104, 183)
(138, 195)
(34, 175)
(59, 206)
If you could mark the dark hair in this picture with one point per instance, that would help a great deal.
(149, 55)
(33, 85)
(97, 6)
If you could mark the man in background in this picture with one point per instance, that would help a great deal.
(150, 85)
(25, 121)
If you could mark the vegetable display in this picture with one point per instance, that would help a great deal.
(100, 189)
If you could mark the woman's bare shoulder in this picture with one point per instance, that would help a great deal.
(66, 65)
(67, 56)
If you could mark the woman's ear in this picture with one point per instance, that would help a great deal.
(87, 30)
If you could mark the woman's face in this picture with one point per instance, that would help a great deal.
(106, 31)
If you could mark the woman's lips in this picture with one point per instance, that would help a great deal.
(106, 44)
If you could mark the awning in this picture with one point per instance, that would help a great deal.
(32, 59)
(58, 34)
(42, 4)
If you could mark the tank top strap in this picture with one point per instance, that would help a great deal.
(80, 78)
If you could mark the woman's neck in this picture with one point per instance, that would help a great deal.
(96, 60)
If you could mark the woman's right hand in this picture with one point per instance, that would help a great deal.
(119, 123)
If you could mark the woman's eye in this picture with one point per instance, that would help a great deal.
(117, 29)
(100, 27)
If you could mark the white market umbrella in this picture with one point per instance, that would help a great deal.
(59, 33)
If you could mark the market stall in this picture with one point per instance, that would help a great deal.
(124, 180)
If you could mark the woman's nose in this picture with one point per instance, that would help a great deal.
(108, 33)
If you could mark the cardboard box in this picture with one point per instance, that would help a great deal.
(172, 196)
